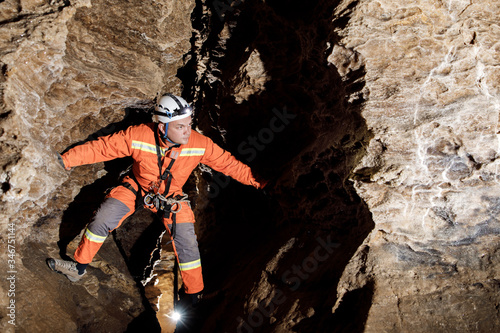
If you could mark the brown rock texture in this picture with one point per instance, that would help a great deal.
(375, 122)
(73, 71)
(430, 176)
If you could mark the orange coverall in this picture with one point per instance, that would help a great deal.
(139, 143)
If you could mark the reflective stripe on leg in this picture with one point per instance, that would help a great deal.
(94, 238)
(190, 265)
(110, 215)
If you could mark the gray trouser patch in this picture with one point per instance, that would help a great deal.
(108, 216)
(185, 242)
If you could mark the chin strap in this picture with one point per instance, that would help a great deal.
(165, 135)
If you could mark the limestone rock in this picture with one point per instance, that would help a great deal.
(73, 72)
(375, 122)
(429, 177)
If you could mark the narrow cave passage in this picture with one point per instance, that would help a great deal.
(310, 204)
(276, 257)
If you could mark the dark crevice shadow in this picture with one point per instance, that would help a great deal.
(291, 38)
(147, 321)
(351, 315)
(141, 252)
(140, 249)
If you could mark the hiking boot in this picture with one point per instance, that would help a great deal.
(204, 299)
(65, 267)
(196, 299)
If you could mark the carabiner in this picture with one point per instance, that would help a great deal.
(179, 204)
(149, 200)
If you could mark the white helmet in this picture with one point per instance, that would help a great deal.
(170, 107)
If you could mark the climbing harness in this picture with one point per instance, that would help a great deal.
(153, 199)
(161, 203)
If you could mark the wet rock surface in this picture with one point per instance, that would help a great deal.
(376, 123)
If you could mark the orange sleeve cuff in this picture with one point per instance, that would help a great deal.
(66, 163)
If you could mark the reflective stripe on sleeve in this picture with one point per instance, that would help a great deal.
(190, 265)
(93, 237)
(147, 147)
(192, 152)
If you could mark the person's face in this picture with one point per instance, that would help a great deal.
(179, 131)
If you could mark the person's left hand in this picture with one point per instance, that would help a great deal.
(59, 158)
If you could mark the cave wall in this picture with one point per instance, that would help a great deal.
(430, 174)
(74, 71)
(375, 122)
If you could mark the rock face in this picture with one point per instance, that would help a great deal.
(376, 123)
(72, 72)
(430, 174)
